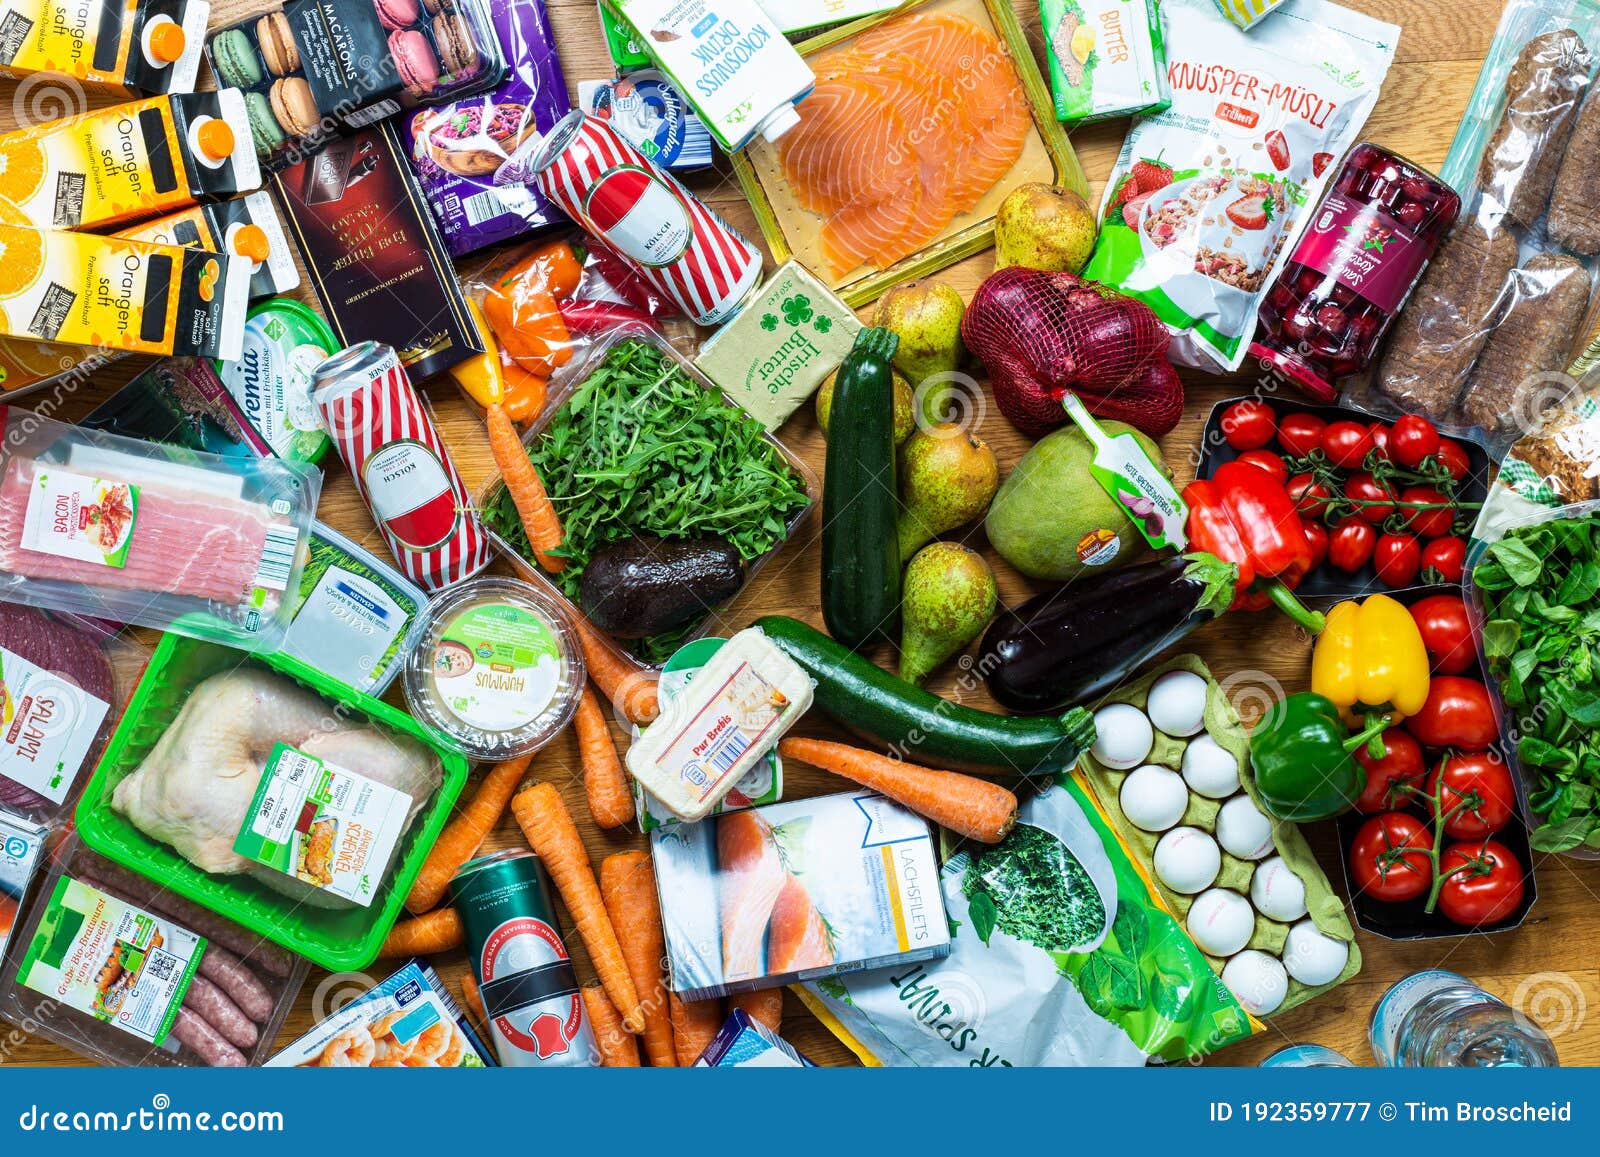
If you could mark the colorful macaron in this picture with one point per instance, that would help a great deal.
(278, 48)
(235, 59)
(265, 131)
(397, 14)
(458, 51)
(295, 107)
(415, 62)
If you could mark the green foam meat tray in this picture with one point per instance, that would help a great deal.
(336, 939)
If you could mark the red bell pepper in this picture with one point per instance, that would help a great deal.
(1244, 516)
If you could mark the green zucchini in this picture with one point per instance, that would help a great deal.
(918, 725)
(860, 503)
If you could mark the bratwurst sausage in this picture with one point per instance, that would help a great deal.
(205, 1042)
(213, 1005)
(1543, 89)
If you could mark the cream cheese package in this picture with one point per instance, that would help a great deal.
(1107, 58)
(721, 725)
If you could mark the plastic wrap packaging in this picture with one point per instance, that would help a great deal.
(1483, 345)
(113, 528)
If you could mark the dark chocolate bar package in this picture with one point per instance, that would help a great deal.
(456, 148)
(373, 253)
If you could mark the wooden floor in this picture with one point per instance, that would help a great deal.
(1548, 966)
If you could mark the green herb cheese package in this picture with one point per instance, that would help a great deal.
(1107, 58)
(1060, 954)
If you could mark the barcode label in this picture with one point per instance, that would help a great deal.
(727, 753)
(277, 556)
(493, 203)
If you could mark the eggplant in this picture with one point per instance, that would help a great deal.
(1067, 646)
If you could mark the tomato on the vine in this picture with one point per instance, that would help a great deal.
(1397, 558)
(1479, 784)
(1266, 460)
(1454, 458)
(1299, 434)
(1350, 544)
(1457, 714)
(1374, 500)
(1400, 764)
(1317, 536)
(1380, 439)
(1446, 633)
(1413, 441)
(1310, 496)
(1432, 513)
(1346, 444)
(1444, 560)
(1482, 883)
(1391, 857)
(1248, 424)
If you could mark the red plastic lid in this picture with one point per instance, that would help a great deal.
(1295, 371)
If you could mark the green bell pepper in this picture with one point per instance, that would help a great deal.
(1304, 758)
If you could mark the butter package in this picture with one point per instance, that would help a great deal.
(245, 227)
(20, 845)
(745, 1043)
(1107, 58)
(651, 114)
(112, 46)
(716, 729)
(781, 346)
(797, 891)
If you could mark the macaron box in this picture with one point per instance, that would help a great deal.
(319, 68)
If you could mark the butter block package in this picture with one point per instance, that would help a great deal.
(797, 891)
(1107, 58)
(775, 353)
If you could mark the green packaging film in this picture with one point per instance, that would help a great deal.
(1107, 58)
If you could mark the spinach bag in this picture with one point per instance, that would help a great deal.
(1060, 955)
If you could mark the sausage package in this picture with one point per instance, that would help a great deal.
(1484, 344)
(120, 970)
(114, 528)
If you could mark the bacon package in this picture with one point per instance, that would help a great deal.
(109, 527)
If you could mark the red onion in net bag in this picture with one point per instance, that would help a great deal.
(1042, 334)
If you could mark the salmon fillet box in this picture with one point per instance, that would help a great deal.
(797, 891)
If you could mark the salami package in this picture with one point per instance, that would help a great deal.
(1208, 195)
(1486, 341)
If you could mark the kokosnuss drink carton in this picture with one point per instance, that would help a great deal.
(115, 46)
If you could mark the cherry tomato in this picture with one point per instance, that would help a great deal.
(1375, 501)
(1401, 763)
(1457, 714)
(1480, 780)
(1380, 439)
(1299, 434)
(1346, 444)
(1454, 458)
(1413, 441)
(1310, 496)
(1436, 520)
(1446, 633)
(1397, 558)
(1482, 883)
(1317, 536)
(1390, 858)
(1444, 559)
(1248, 424)
(1272, 463)
(1350, 544)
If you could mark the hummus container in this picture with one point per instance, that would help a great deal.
(496, 667)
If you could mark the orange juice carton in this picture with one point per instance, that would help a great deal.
(119, 295)
(115, 46)
(116, 165)
(246, 227)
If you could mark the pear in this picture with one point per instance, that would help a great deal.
(904, 420)
(926, 317)
(948, 597)
(948, 477)
(1041, 226)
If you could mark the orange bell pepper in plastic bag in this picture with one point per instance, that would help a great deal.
(521, 307)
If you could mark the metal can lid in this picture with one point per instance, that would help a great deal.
(478, 863)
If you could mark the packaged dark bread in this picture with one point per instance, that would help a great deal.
(1543, 90)
(1574, 219)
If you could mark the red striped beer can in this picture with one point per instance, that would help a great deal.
(399, 463)
(614, 191)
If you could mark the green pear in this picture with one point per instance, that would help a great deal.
(948, 477)
(1041, 226)
(948, 597)
(905, 420)
(926, 317)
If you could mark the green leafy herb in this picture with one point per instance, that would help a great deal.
(640, 447)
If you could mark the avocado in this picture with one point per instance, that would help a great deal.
(644, 585)
(1053, 520)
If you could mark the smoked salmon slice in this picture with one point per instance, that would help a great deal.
(801, 938)
(751, 875)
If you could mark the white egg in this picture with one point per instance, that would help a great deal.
(1220, 922)
(1187, 860)
(1257, 980)
(1277, 892)
(1243, 830)
(1122, 736)
(1210, 769)
(1177, 703)
(1313, 958)
(1153, 798)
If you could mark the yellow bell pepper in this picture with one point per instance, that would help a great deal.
(1370, 660)
(480, 375)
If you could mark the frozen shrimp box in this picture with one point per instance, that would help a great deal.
(797, 891)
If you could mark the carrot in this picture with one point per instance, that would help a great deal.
(604, 782)
(968, 806)
(438, 931)
(618, 1049)
(548, 826)
(538, 517)
(620, 679)
(465, 833)
(473, 998)
(628, 883)
(694, 1026)
(764, 1006)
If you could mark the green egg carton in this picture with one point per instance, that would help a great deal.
(336, 939)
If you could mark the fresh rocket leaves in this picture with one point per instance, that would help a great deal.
(1540, 587)
(640, 447)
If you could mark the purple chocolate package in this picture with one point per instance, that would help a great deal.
(456, 148)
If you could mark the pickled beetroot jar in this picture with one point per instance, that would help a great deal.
(1363, 248)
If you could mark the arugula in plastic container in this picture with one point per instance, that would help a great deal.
(1540, 587)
